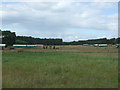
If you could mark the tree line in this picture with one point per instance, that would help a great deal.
(32, 40)
(9, 38)
(96, 41)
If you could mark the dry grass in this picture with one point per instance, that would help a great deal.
(87, 50)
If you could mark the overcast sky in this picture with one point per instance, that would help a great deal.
(67, 20)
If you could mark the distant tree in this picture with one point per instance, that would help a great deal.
(118, 40)
(112, 41)
(20, 42)
(8, 37)
(45, 41)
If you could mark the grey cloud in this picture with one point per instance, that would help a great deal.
(57, 17)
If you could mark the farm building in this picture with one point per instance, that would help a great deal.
(85, 44)
(2, 46)
(20, 45)
(101, 45)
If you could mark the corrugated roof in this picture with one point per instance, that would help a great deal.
(18, 45)
(2, 45)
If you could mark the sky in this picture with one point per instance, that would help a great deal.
(68, 20)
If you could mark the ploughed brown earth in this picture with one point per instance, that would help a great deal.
(111, 51)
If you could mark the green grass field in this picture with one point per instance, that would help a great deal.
(59, 70)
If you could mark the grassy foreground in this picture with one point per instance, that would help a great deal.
(58, 70)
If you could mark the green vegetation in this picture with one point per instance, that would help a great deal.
(9, 38)
(59, 70)
(20, 42)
